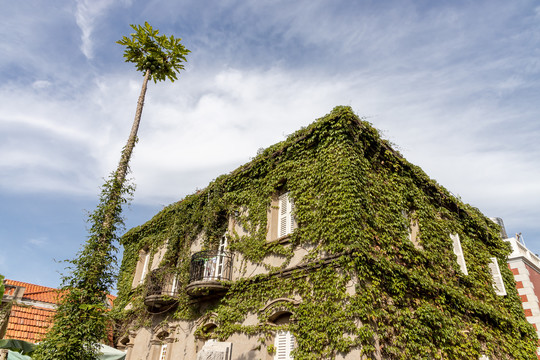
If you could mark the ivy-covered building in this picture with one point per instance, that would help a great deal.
(326, 245)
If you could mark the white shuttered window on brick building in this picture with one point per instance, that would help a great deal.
(287, 223)
(284, 345)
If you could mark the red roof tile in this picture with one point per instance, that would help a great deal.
(36, 292)
(29, 323)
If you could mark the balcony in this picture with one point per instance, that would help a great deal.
(208, 271)
(161, 290)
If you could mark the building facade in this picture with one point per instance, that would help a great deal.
(525, 265)
(28, 310)
(329, 245)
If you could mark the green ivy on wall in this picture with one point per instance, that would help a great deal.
(351, 191)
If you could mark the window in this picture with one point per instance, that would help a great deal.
(498, 283)
(160, 344)
(163, 352)
(284, 345)
(284, 341)
(222, 251)
(414, 231)
(174, 285)
(214, 265)
(459, 253)
(287, 222)
(413, 228)
(146, 259)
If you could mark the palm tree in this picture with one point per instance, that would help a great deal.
(80, 321)
(159, 57)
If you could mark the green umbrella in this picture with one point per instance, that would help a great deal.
(13, 355)
(17, 349)
(109, 353)
(23, 347)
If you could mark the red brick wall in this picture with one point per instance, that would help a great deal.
(534, 277)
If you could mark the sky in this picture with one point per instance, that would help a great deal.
(454, 85)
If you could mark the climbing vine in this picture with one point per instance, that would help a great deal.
(364, 285)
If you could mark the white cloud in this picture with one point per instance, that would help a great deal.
(209, 122)
(41, 84)
(39, 242)
(87, 16)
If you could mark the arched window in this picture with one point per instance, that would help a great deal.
(279, 313)
(208, 348)
(161, 344)
(284, 341)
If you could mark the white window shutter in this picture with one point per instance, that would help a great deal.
(145, 267)
(284, 344)
(292, 220)
(163, 352)
(174, 285)
(287, 223)
(459, 253)
(221, 256)
(498, 283)
(283, 215)
(222, 244)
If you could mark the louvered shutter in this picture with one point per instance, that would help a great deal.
(283, 207)
(145, 267)
(287, 222)
(163, 352)
(284, 345)
(498, 283)
(459, 253)
(292, 220)
(221, 256)
(174, 284)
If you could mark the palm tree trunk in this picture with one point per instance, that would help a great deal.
(113, 203)
(123, 166)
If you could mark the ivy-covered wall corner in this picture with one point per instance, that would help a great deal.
(370, 268)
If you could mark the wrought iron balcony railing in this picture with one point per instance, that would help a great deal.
(162, 289)
(210, 266)
(162, 282)
(208, 270)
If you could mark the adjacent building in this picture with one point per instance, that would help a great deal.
(328, 245)
(28, 310)
(525, 265)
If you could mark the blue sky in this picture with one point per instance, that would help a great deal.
(454, 84)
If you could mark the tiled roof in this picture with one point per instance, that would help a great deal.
(28, 323)
(36, 292)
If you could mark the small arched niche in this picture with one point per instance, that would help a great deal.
(279, 311)
(206, 326)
